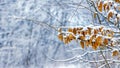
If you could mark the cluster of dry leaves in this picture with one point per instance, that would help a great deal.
(87, 36)
(111, 8)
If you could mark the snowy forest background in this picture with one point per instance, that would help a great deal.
(28, 40)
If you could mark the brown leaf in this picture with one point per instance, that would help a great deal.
(115, 53)
(99, 40)
(79, 32)
(74, 31)
(71, 37)
(100, 5)
(83, 33)
(80, 28)
(100, 29)
(94, 45)
(66, 40)
(70, 30)
(81, 38)
(108, 7)
(82, 44)
(87, 42)
(89, 30)
(93, 37)
(110, 15)
(105, 6)
(60, 36)
(96, 31)
(95, 14)
(105, 41)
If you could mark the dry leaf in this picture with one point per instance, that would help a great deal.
(105, 41)
(105, 6)
(87, 42)
(95, 14)
(103, 33)
(74, 31)
(60, 36)
(83, 33)
(115, 53)
(71, 37)
(100, 29)
(100, 6)
(96, 31)
(93, 37)
(90, 42)
(81, 38)
(80, 28)
(66, 40)
(89, 30)
(99, 40)
(70, 30)
(82, 44)
(108, 7)
(94, 45)
(79, 32)
(110, 15)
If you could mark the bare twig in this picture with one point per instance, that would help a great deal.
(35, 21)
(105, 59)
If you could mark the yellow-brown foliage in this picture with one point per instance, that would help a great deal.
(115, 53)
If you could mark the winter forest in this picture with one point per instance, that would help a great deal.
(59, 33)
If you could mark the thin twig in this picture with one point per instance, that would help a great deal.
(104, 58)
(96, 11)
(76, 8)
(35, 21)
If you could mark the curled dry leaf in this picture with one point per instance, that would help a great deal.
(95, 15)
(103, 33)
(108, 7)
(96, 31)
(99, 40)
(74, 31)
(81, 38)
(100, 29)
(110, 15)
(115, 53)
(71, 37)
(82, 44)
(80, 28)
(99, 5)
(79, 32)
(93, 37)
(60, 36)
(90, 41)
(105, 6)
(111, 34)
(83, 33)
(70, 30)
(89, 30)
(105, 41)
(66, 40)
(87, 42)
(94, 45)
